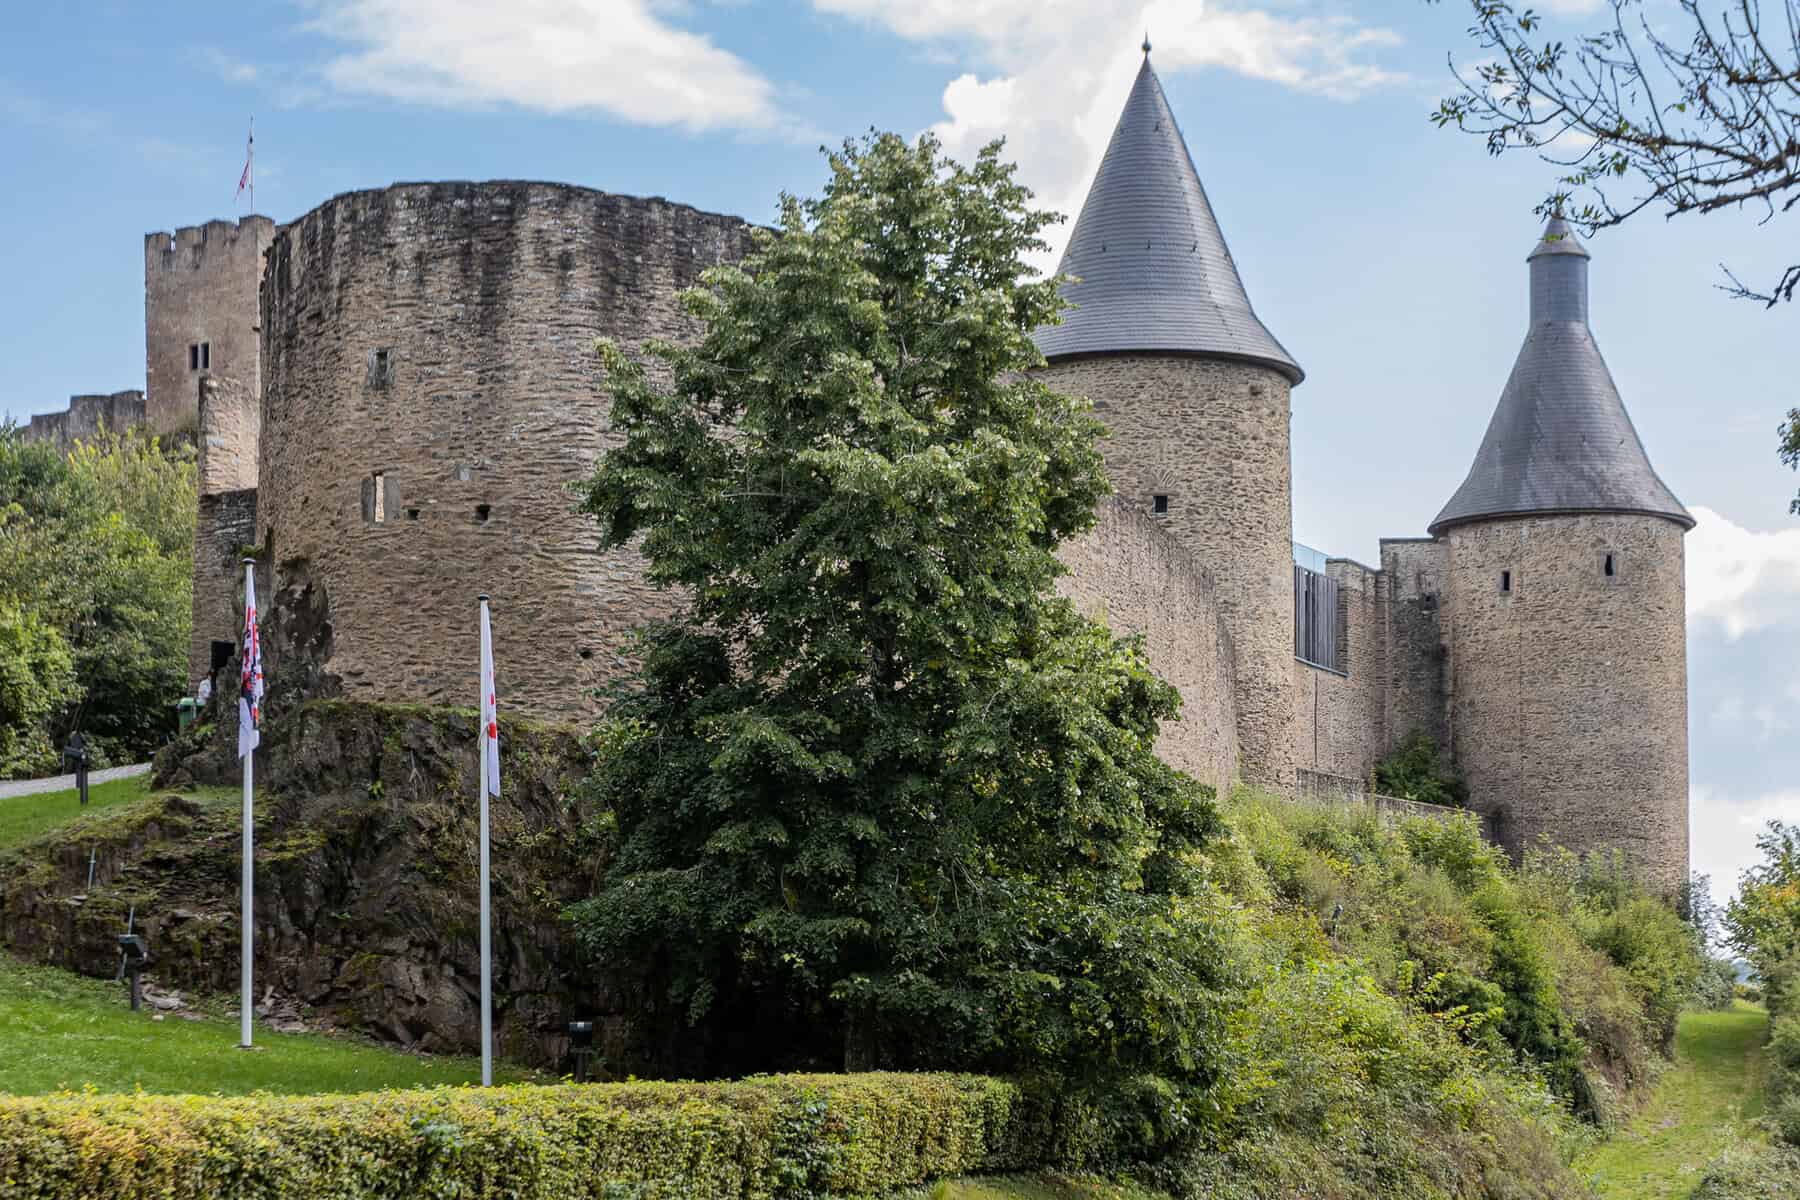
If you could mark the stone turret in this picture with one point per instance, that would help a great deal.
(1566, 606)
(1194, 388)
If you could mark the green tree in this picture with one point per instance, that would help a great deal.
(37, 679)
(96, 545)
(881, 797)
(1414, 770)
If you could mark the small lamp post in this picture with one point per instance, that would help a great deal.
(581, 1046)
(76, 754)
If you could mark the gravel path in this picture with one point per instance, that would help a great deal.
(61, 783)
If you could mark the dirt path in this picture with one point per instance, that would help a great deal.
(1700, 1107)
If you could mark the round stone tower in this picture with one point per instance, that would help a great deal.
(1194, 389)
(1567, 605)
(430, 391)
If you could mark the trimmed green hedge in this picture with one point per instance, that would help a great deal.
(780, 1138)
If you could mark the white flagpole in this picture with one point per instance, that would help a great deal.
(246, 951)
(487, 965)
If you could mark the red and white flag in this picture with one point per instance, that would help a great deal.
(244, 178)
(490, 711)
(251, 693)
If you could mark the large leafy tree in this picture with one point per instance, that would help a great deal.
(881, 798)
(96, 553)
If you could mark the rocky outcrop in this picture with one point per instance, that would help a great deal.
(366, 889)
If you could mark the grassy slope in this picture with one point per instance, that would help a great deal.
(1699, 1108)
(59, 1030)
(23, 818)
(1031, 1187)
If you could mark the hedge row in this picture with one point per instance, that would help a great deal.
(779, 1137)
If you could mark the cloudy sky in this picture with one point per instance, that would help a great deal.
(1385, 253)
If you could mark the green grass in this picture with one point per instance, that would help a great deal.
(23, 818)
(62, 1031)
(1701, 1107)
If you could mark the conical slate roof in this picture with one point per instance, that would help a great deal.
(1153, 268)
(1560, 440)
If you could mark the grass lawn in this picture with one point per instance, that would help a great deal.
(23, 818)
(1701, 1107)
(59, 1030)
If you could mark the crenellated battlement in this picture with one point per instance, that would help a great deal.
(190, 246)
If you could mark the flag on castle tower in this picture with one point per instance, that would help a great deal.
(251, 693)
(490, 714)
(244, 178)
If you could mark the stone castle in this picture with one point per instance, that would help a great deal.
(392, 393)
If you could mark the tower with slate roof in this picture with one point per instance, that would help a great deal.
(1194, 389)
(1565, 606)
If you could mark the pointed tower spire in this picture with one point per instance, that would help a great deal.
(1560, 440)
(1153, 267)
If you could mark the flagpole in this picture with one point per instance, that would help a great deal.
(251, 161)
(487, 965)
(247, 949)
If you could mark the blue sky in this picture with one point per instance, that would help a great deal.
(1385, 253)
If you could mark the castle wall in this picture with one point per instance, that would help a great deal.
(1417, 570)
(1133, 576)
(430, 391)
(223, 527)
(200, 286)
(1212, 436)
(1569, 710)
(117, 411)
(1340, 714)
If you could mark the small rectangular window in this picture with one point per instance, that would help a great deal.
(1506, 581)
(380, 497)
(194, 357)
(381, 368)
(1610, 571)
(205, 356)
(1159, 504)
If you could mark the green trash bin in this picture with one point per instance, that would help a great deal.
(187, 711)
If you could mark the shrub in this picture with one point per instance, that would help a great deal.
(1751, 1172)
(774, 1138)
(1717, 985)
(1415, 770)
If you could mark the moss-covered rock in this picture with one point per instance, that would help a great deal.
(366, 889)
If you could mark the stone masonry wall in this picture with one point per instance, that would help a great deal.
(230, 433)
(1133, 576)
(1416, 570)
(200, 285)
(430, 391)
(1340, 718)
(224, 525)
(1212, 436)
(118, 411)
(1569, 717)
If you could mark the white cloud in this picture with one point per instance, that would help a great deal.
(1051, 75)
(1723, 832)
(1741, 581)
(227, 67)
(618, 57)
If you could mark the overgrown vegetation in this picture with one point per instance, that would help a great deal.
(1415, 770)
(1763, 924)
(96, 565)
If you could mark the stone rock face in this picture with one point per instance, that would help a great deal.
(366, 900)
(431, 390)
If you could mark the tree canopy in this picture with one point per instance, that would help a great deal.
(877, 787)
(96, 593)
